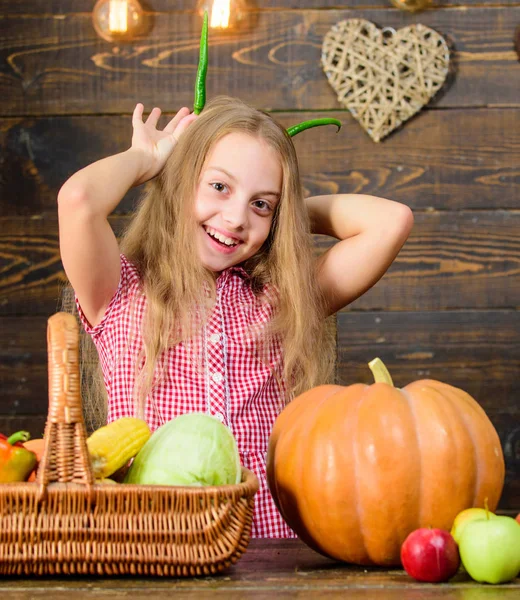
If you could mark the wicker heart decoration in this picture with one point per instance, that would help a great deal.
(384, 76)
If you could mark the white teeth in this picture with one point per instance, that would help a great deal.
(220, 237)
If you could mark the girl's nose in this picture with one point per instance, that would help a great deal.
(235, 215)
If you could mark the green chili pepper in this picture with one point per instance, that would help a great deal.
(200, 87)
(200, 83)
(313, 123)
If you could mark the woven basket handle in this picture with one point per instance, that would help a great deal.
(65, 456)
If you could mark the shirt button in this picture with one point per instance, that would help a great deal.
(214, 338)
(220, 417)
(217, 377)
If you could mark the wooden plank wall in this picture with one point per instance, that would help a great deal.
(447, 309)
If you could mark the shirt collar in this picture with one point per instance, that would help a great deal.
(235, 270)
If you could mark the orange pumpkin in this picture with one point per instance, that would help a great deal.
(353, 470)
(35, 446)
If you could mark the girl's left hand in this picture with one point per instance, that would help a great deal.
(156, 145)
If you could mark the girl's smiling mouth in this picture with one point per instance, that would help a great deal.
(220, 241)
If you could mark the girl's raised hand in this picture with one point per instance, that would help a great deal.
(154, 144)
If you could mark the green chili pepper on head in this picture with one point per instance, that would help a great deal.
(200, 87)
(312, 123)
(200, 83)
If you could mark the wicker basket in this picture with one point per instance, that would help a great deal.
(65, 523)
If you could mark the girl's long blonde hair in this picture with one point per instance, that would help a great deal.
(160, 242)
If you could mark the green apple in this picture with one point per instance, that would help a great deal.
(467, 516)
(490, 549)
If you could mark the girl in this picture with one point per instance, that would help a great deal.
(215, 302)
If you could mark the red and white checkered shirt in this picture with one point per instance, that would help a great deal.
(228, 381)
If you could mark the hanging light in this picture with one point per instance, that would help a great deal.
(412, 5)
(225, 15)
(118, 20)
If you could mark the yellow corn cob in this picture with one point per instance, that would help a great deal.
(113, 445)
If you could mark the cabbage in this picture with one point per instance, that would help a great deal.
(193, 449)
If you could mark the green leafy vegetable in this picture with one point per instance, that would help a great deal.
(193, 449)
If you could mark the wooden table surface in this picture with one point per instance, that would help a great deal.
(269, 569)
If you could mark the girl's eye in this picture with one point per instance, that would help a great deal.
(262, 205)
(219, 187)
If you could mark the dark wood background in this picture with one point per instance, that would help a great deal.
(447, 308)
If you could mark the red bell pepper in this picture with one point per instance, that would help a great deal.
(16, 462)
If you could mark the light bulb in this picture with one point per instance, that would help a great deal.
(118, 20)
(412, 5)
(225, 15)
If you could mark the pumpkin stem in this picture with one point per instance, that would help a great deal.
(380, 372)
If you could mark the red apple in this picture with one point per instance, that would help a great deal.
(430, 555)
